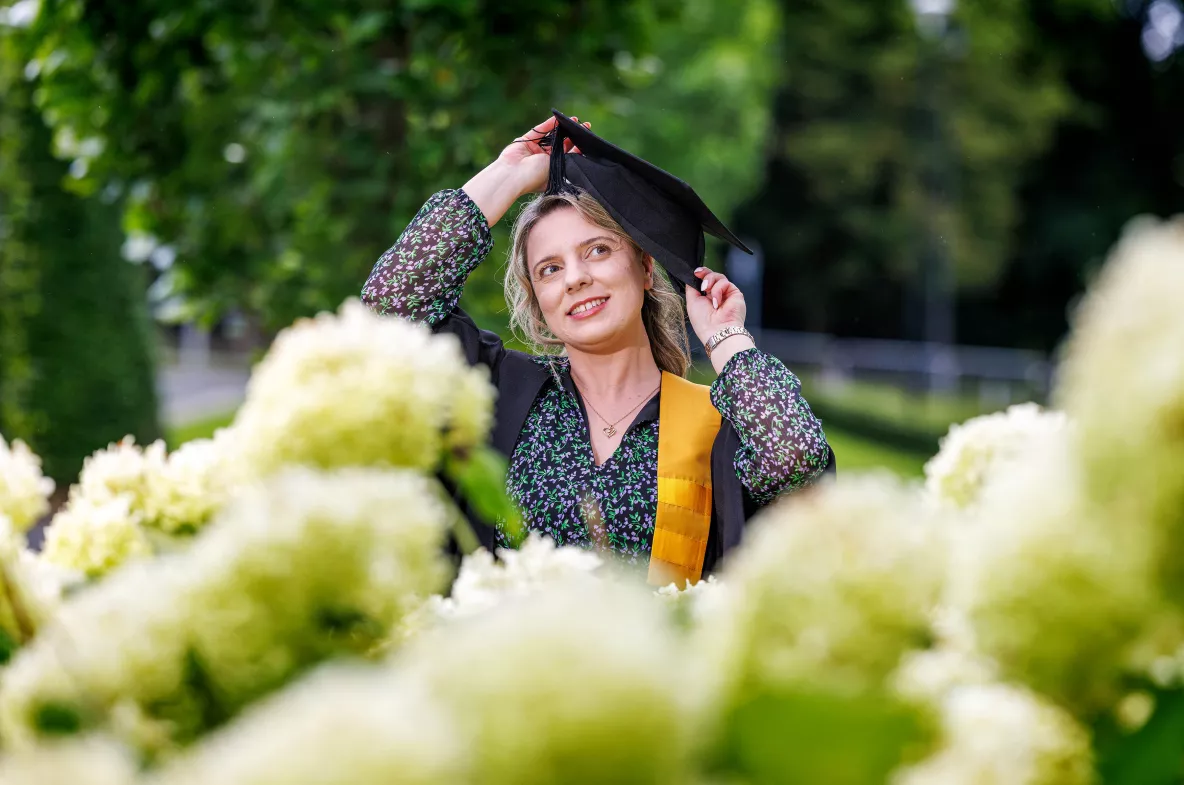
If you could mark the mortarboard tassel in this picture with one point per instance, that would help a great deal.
(557, 179)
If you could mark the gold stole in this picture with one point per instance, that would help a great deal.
(686, 433)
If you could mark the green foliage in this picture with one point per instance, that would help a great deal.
(856, 453)
(700, 105)
(198, 429)
(804, 738)
(881, 132)
(77, 368)
(281, 148)
(1150, 755)
(480, 478)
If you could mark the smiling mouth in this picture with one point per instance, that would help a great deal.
(587, 307)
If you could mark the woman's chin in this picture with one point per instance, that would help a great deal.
(592, 335)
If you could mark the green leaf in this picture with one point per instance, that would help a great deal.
(810, 738)
(1154, 754)
(480, 478)
(57, 719)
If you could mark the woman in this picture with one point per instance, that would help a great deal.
(607, 444)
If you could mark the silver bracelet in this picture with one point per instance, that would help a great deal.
(724, 334)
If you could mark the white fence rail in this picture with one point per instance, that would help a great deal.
(996, 373)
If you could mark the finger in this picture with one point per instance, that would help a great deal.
(544, 126)
(732, 290)
(720, 293)
(701, 271)
(710, 280)
(718, 288)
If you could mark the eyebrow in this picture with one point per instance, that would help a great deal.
(585, 244)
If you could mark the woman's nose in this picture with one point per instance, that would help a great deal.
(577, 275)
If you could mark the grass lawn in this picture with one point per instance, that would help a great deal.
(854, 453)
(199, 429)
(851, 452)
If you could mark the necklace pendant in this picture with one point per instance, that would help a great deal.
(610, 431)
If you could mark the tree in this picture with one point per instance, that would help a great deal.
(861, 139)
(1118, 156)
(76, 368)
(279, 148)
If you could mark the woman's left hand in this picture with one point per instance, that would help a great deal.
(720, 304)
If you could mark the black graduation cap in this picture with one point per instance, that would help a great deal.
(658, 210)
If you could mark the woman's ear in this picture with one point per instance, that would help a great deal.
(648, 262)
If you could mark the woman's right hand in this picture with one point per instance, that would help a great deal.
(522, 168)
(528, 162)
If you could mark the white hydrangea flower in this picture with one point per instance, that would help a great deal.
(996, 734)
(358, 389)
(1122, 381)
(483, 582)
(295, 570)
(186, 491)
(31, 589)
(583, 682)
(974, 450)
(122, 469)
(83, 761)
(829, 589)
(953, 660)
(124, 636)
(94, 536)
(691, 604)
(24, 490)
(339, 726)
(1056, 595)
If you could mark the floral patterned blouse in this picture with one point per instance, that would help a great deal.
(552, 474)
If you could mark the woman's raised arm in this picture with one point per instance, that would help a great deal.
(422, 276)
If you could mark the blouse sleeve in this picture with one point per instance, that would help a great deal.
(422, 276)
(782, 445)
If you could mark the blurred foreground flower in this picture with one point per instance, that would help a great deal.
(1000, 735)
(357, 389)
(828, 592)
(190, 487)
(300, 569)
(484, 582)
(338, 726)
(126, 494)
(584, 682)
(1123, 380)
(94, 536)
(830, 588)
(30, 591)
(1055, 594)
(974, 450)
(121, 471)
(24, 490)
(88, 761)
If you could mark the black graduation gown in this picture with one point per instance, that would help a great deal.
(519, 379)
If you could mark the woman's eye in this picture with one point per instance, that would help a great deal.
(546, 270)
(601, 250)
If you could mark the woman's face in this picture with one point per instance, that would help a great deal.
(589, 283)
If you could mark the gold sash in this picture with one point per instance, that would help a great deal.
(686, 433)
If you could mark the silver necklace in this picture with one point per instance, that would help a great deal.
(611, 430)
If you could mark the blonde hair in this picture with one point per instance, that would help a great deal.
(662, 311)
